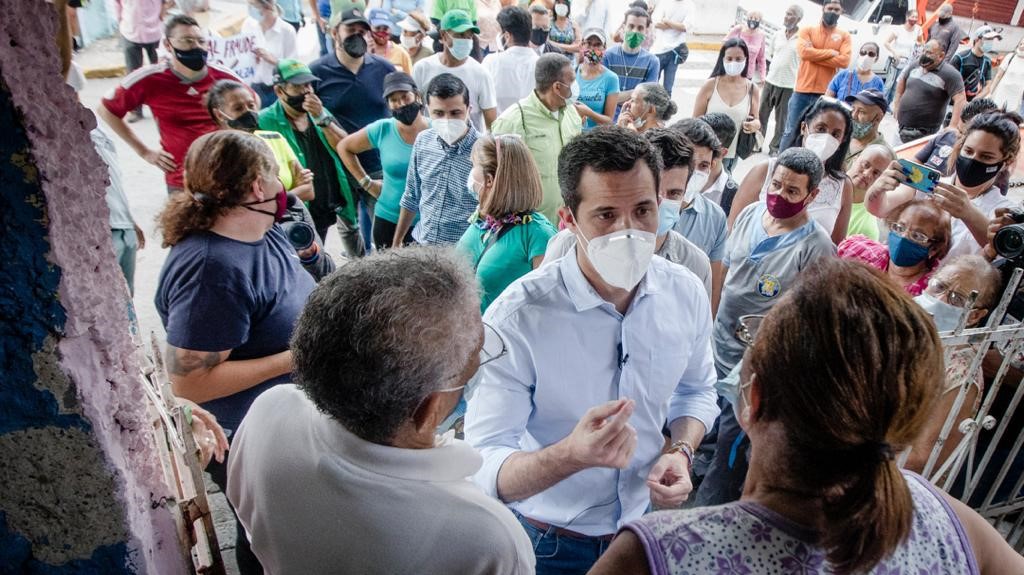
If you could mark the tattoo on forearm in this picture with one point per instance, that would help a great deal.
(184, 362)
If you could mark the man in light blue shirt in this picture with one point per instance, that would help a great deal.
(603, 347)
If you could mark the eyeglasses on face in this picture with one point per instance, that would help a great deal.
(913, 235)
(938, 288)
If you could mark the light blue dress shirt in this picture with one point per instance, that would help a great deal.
(704, 223)
(563, 344)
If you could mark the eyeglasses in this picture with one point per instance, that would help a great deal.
(912, 235)
(938, 288)
(189, 42)
(747, 327)
(494, 347)
(869, 54)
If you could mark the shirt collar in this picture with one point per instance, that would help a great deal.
(697, 205)
(723, 179)
(536, 102)
(184, 80)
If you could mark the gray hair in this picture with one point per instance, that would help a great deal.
(802, 161)
(798, 10)
(879, 149)
(989, 278)
(382, 333)
(658, 97)
(548, 70)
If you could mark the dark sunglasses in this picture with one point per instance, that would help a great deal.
(869, 54)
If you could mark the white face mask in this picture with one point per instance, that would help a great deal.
(864, 63)
(694, 186)
(561, 9)
(409, 42)
(735, 68)
(449, 130)
(946, 317)
(574, 93)
(622, 257)
(461, 48)
(823, 145)
(473, 185)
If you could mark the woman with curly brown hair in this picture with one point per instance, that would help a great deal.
(824, 493)
(232, 286)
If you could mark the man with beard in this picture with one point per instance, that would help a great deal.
(923, 91)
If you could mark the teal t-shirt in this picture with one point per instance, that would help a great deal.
(594, 93)
(510, 258)
(394, 158)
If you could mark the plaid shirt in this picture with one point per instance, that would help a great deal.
(876, 255)
(435, 187)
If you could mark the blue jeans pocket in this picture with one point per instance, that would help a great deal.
(545, 545)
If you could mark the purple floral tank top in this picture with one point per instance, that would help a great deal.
(745, 538)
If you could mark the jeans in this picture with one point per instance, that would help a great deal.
(562, 554)
(669, 62)
(798, 104)
(351, 240)
(728, 469)
(774, 99)
(126, 245)
(248, 564)
(730, 163)
(322, 37)
(890, 84)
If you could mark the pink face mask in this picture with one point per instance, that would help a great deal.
(280, 209)
(782, 209)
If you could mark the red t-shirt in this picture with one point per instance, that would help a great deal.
(177, 106)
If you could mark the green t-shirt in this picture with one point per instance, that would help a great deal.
(862, 222)
(443, 6)
(394, 158)
(510, 258)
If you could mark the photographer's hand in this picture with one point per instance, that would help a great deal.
(1002, 218)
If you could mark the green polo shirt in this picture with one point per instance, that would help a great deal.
(545, 132)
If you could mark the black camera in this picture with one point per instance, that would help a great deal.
(1009, 240)
(300, 234)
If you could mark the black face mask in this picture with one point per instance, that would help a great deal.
(830, 18)
(194, 59)
(945, 20)
(295, 102)
(408, 113)
(249, 121)
(538, 36)
(753, 24)
(926, 61)
(354, 45)
(971, 172)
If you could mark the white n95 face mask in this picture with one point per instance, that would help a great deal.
(823, 145)
(694, 186)
(946, 317)
(622, 257)
(449, 130)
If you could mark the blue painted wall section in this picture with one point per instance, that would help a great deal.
(29, 313)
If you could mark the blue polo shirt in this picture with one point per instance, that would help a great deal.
(356, 100)
(704, 223)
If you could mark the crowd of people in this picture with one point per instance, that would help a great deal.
(560, 318)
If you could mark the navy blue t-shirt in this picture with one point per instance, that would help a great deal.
(216, 293)
(356, 100)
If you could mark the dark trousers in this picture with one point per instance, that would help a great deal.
(384, 233)
(248, 564)
(266, 94)
(728, 469)
(908, 134)
(774, 99)
(133, 54)
(323, 39)
(669, 62)
(798, 104)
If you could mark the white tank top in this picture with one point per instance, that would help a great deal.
(825, 208)
(738, 113)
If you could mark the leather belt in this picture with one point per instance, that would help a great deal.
(566, 532)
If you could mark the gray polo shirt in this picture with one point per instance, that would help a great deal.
(676, 249)
(704, 223)
(760, 270)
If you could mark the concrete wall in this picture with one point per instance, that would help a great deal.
(80, 483)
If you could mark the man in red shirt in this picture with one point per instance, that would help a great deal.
(174, 90)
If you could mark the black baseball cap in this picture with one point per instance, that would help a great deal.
(871, 98)
(398, 82)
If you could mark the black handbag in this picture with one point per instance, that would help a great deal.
(747, 143)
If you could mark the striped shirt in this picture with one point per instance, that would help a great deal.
(435, 187)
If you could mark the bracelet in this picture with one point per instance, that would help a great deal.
(684, 447)
(324, 120)
(365, 181)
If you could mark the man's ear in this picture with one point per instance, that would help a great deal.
(567, 216)
(426, 417)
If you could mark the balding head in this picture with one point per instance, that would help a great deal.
(946, 11)
(869, 165)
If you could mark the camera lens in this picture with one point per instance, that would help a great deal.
(1009, 241)
(300, 234)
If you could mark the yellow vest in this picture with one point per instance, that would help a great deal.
(282, 153)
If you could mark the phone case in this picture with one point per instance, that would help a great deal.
(920, 177)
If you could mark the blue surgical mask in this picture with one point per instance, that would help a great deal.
(904, 252)
(668, 215)
(946, 317)
(255, 13)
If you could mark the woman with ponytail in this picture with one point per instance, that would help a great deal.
(824, 493)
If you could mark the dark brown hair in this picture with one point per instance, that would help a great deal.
(876, 359)
(220, 168)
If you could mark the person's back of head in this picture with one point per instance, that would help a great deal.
(603, 149)
(976, 107)
(675, 149)
(548, 70)
(837, 428)
(381, 334)
(508, 166)
(723, 127)
(515, 21)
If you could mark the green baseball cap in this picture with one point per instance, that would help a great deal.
(293, 72)
(458, 21)
(347, 12)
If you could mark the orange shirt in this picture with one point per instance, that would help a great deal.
(816, 46)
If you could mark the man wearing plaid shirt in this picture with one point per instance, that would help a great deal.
(435, 187)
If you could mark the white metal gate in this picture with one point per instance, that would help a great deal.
(983, 469)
